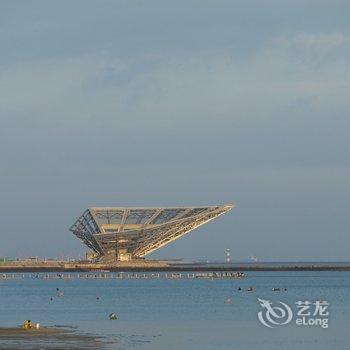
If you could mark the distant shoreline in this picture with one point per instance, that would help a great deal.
(163, 266)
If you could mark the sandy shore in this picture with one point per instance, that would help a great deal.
(31, 332)
(48, 339)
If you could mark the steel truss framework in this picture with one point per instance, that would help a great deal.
(131, 233)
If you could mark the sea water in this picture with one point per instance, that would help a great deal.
(187, 313)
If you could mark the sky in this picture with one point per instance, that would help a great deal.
(170, 103)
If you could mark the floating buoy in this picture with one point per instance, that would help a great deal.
(112, 316)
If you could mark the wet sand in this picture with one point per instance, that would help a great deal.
(31, 332)
(48, 339)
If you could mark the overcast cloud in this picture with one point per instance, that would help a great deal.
(137, 103)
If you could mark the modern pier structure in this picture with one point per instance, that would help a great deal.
(127, 234)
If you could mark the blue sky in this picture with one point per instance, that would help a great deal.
(151, 103)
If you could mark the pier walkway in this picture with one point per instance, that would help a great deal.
(122, 275)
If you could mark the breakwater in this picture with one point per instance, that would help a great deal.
(163, 266)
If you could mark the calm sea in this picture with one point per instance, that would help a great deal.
(186, 314)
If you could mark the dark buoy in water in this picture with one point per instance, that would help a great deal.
(239, 288)
(112, 316)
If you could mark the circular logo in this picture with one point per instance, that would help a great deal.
(272, 316)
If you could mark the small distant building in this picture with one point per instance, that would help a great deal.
(124, 234)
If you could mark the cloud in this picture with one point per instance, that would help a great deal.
(331, 40)
(273, 97)
(178, 87)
